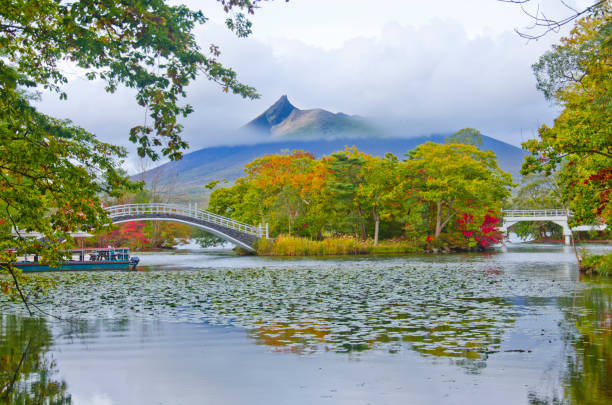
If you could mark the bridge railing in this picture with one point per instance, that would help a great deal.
(537, 213)
(187, 211)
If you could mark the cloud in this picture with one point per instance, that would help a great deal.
(431, 79)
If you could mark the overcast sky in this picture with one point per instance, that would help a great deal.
(430, 67)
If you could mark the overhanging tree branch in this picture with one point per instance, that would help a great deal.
(546, 24)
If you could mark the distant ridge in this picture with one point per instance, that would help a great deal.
(318, 131)
(283, 119)
(227, 162)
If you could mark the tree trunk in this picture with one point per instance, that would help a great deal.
(361, 223)
(376, 226)
(438, 220)
(289, 224)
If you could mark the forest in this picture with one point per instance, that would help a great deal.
(438, 197)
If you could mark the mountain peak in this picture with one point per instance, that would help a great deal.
(283, 119)
(279, 110)
(274, 115)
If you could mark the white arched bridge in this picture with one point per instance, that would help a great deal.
(560, 217)
(238, 233)
(245, 235)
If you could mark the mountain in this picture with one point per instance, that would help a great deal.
(227, 162)
(318, 131)
(283, 119)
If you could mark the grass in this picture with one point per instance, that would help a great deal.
(346, 245)
(596, 264)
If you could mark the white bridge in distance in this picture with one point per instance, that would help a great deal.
(560, 217)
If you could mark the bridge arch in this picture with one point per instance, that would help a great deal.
(235, 232)
(561, 224)
(556, 216)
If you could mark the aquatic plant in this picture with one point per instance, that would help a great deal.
(436, 309)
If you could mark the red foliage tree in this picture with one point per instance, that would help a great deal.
(485, 234)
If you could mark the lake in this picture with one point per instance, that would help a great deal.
(514, 326)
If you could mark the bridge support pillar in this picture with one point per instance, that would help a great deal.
(567, 233)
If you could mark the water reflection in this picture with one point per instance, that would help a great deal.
(437, 310)
(27, 375)
(588, 378)
(465, 331)
(492, 317)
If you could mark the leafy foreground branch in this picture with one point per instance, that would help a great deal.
(53, 174)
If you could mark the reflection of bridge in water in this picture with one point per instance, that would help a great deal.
(238, 233)
(557, 216)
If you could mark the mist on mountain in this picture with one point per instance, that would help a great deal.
(284, 127)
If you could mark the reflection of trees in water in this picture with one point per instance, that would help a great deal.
(464, 332)
(588, 379)
(26, 374)
(587, 331)
(84, 329)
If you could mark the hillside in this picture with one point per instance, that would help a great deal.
(287, 128)
(202, 166)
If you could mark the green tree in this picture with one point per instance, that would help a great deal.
(377, 191)
(349, 193)
(145, 45)
(577, 75)
(458, 178)
(467, 136)
(346, 177)
(52, 173)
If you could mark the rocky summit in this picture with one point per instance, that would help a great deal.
(283, 119)
(285, 127)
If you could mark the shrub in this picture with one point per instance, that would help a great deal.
(596, 264)
(342, 245)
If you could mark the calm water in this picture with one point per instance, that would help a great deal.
(511, 327)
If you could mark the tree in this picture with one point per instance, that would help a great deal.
(148, 46)
(52, 173)
(377, 191)
(458, 178)
(543, 23)
(350, 192)
(577, 75)
(466, 136)
(346, 177)
(278, 181)
(277, 189)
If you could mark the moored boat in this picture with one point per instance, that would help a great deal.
(86, 259)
